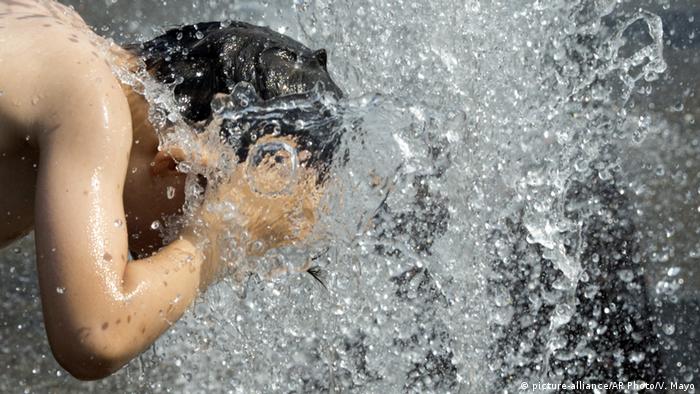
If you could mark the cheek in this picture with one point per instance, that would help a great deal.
(278, 222)
(275, 220)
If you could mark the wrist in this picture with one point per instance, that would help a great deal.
(203, 243)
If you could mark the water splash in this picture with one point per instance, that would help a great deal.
(482, 207)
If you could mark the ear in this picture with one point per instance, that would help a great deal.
(322, 57)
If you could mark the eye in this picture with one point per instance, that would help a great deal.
(271, 167)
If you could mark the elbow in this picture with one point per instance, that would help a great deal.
(86, 369)
(89, 358)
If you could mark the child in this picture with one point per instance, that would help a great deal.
(80, 165)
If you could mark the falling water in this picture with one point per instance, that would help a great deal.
(516, 203)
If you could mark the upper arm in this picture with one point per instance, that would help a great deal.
(81, 242)
(99, 311)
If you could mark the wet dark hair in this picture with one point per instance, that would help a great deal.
(204, 59)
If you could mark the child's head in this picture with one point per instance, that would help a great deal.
(208, 59)
(281, 164)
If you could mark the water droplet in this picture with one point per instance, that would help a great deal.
(155, 225)
(170, 192)
(637, 357)
(118, 223)
(673, 271)
(668, 329)
(302, 5)
(678, 107)
(199, 35)
(562, 315)
(626, 275)
(271, 168)
(60, 290)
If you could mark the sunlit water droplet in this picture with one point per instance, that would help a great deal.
(668, 329)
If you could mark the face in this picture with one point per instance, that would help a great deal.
(274, 190)
(275, 194)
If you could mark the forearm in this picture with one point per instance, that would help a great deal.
(153, 293)
(157, 290)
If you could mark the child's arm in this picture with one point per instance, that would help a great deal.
(99, 311)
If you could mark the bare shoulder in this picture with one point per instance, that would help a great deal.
(62, 111)
(59, 69)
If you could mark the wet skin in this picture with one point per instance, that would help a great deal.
(66, 114)
(79, 165)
